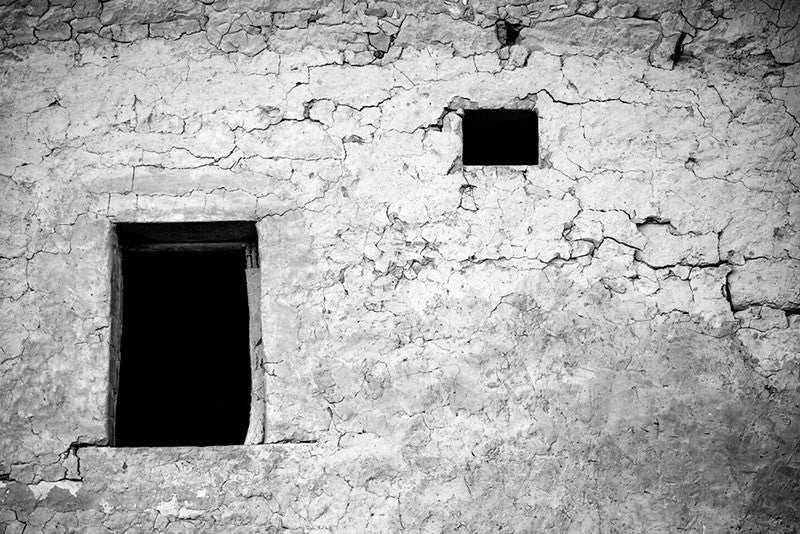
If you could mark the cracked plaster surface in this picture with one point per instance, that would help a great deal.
(607, 342)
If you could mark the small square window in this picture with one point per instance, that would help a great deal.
(185, 369)
(500, 137)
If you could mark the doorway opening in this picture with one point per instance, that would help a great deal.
(184, 370)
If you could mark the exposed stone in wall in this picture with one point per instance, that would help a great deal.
(607, 342)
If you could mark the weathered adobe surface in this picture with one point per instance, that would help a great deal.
(607, 342)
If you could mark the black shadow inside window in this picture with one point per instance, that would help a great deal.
(184, 370)
(500, 137)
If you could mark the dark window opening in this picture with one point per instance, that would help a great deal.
(500, 137)
(506, 32)
(184, 376)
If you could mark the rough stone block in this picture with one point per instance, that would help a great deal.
(775, 283)
(762, 318)
(294, 140)
(360, 87)
(380, 41)
(174, 29)
(87, 8)
(666, 247)
(54, 25)
(624, 36)
(148, 11)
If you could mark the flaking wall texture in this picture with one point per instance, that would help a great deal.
(605, 342)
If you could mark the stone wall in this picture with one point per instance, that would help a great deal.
(605, 342)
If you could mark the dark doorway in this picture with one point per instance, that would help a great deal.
(500, 137)
(184, 375)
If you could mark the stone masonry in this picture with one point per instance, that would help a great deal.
(606, 342)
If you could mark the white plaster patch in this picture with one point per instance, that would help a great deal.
(189, 513)
(43, 489)
(107, 508)
(168, 507)
(171, 508)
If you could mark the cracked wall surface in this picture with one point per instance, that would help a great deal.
(606, 342)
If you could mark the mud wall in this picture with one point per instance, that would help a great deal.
(605, 342)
